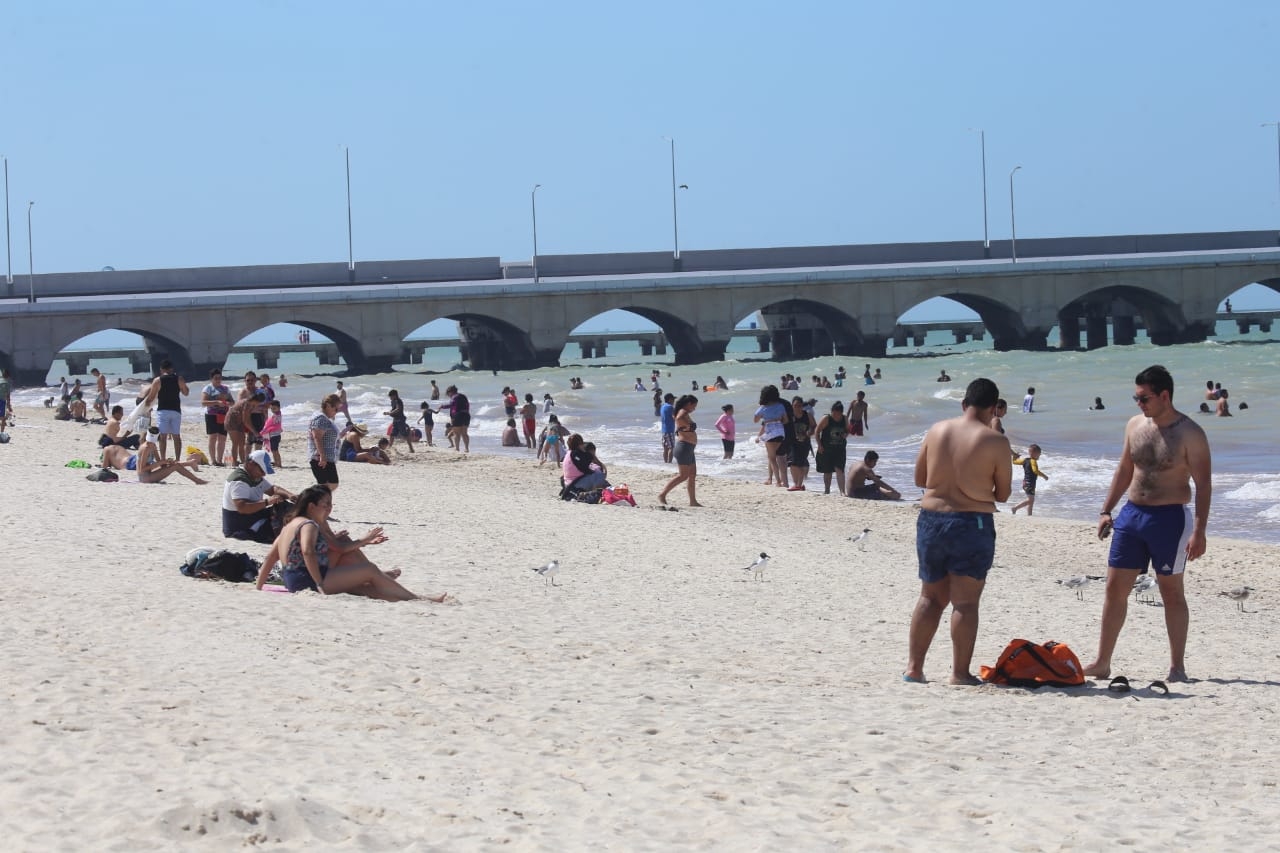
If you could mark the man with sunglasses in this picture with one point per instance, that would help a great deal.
(1164, 453)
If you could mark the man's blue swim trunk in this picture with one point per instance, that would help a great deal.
(1151, 535)
(955, 543)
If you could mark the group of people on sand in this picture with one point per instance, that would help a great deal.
(312, 555)
(963, 467)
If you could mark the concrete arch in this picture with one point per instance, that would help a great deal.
(491, 343)
(686, 342)
(1007, 326)
(351, 348)
(805, 328)
(1122, 305)
(159, 343)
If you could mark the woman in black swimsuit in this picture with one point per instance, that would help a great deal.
(686, 441)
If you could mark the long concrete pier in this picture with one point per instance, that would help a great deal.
(829, 300)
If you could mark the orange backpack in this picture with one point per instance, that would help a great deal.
(1027, 664)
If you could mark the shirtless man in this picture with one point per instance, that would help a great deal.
(102, 397)
(857, 414)
(1164, 453)
(342, 401)
(964, 469)
(112, 434)
(877, 489)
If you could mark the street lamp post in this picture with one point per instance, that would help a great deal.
(675, 216)
(1276, 125)
(1013, 221)
(351, 255)
(533, 203)
(8, 243)
(986, 238)
(31, 263)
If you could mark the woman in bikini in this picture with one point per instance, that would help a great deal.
(311, 560)
(686, 442)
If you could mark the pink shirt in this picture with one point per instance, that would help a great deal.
(272, 426)
(726, 426)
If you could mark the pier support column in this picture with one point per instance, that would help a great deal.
(75, 363)
(1124, 330)
(1035, 340)
(1095, 331)
(866, 347)
(1192, 333)
(960, 335)
(584, 349)
(703, 352)
(1069, 333)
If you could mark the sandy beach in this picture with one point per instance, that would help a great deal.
(658, 698)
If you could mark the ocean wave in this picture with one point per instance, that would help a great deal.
(1266, 490)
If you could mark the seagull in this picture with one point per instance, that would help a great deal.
(1078, 583)
(684, 186)
(861, 537)
(1143, 585)
(549, 571)
(757, 568)
(1239, 595)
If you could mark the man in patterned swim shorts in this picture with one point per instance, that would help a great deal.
(964, 469)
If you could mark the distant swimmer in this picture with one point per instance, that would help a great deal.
(1097, 405)
(943, 377)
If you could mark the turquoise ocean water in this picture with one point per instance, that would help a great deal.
(1080, 446)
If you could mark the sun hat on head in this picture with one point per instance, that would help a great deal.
(360, 428)
(262, 459)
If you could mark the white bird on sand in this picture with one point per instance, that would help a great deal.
(1239, 595)
(1078, 583)
(757, 568)
(1143, 585)
(861, 537)
(549, 571)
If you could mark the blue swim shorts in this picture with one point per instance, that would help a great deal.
(1151, 535)
(169, 422)
(132, 464)
(955, 543)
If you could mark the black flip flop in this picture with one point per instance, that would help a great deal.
(1159, 687)
(1119, 684)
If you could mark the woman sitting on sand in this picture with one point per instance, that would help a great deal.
(582, 469)
(311, 560)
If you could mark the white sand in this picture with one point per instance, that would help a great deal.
(656, 699)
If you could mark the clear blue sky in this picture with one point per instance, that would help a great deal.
(183, 134)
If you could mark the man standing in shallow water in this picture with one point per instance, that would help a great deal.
(1164, 453)
(964, 469)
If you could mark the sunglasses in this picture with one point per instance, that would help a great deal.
(1142, 399)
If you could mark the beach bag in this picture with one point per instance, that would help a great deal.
(1027, 664)
(234, 566)
(103, 475)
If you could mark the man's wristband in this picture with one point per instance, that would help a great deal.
(1105, 512)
